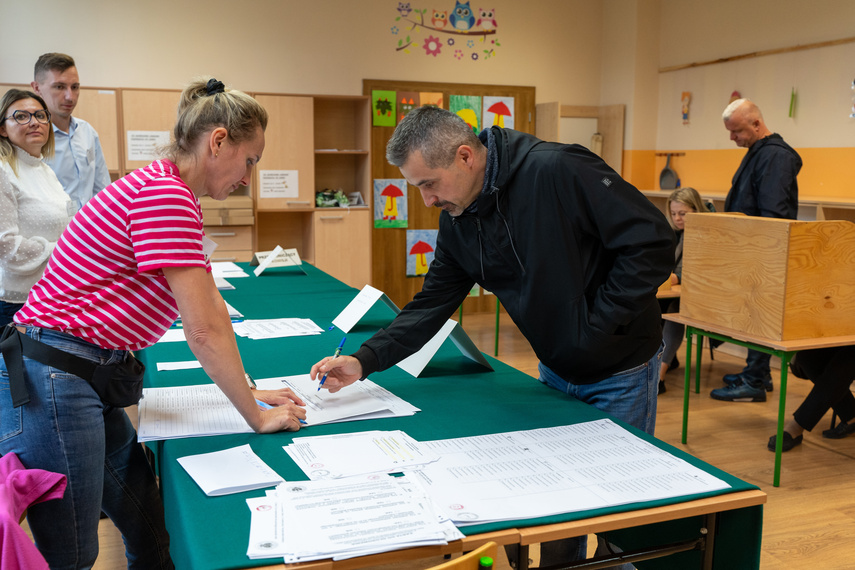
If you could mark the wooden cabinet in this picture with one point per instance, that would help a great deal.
(326, 140)
(150, 111)
(99, 107)
(289, 145)
(342, 243)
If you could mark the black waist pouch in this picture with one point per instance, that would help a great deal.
(119, 384)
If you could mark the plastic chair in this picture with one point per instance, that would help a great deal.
(469, 561)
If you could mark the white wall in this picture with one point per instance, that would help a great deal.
(697, 30)
(323, 46)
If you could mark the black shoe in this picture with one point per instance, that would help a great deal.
(840, 431)
(786, 445)
(733, 379)
(673, 365)
(741, 392)
(662, 388)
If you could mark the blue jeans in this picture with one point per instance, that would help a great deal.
(629, 396)
(66, 428)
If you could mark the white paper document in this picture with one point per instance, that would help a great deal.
(276, 328)
(312, 520)
(359, 453)
(173, 335)
(535, 473)
(229, 471)
(180, 365)
(359, 305)
(187, 411)
(416, 363)
(202, 410)
(360, 401)
(227, 269)
(222, 284)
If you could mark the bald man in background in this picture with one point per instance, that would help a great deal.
(764, 185)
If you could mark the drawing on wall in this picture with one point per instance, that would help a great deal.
(686, 98)
(421, 245)
(498, 112)
(468, 108)
(407, 101)
(390, 203)
(434, 99)
(459, 32)
(383, 108)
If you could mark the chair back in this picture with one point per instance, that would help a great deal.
(469, 561)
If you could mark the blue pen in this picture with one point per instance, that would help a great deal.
(336, 355)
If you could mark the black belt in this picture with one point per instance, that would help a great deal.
(14, 346)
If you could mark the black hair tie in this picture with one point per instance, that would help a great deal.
(213, 87)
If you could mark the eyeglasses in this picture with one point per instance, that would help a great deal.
(24, 117)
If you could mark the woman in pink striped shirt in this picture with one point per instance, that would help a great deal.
(132, 260)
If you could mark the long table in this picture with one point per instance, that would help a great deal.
(457, 398)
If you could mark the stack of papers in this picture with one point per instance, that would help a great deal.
(542, 472)
(276, 328)
(361, 401)
(223, 270)
(351, 454)
(229, 471)
(202, 410)
(343, 518)
(227, 269)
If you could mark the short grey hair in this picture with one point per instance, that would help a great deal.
(436, 133)
(746, 105)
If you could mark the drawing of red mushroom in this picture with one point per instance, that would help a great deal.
(420, 249)
(392, 193)
(500, 111)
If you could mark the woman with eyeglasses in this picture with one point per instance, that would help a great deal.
(34, 209)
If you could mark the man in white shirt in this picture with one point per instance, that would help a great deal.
(78, 159)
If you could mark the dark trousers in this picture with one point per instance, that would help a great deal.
(831, 370)
(7, 312)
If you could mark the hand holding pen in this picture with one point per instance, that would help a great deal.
(336, 355)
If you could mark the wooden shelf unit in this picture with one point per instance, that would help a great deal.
(326, 138)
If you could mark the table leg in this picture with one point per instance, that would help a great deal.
(782, 405)
(688, 382)
(698, 359)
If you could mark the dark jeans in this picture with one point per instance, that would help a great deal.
(7, 312)
(756, 367)
(831, 370)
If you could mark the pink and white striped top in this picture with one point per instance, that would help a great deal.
(104, 282)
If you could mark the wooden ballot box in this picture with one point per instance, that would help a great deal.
(776, 279)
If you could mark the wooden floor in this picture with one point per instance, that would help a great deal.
(809, 519)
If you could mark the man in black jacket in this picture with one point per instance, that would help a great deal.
(764, 185)
(574, 253)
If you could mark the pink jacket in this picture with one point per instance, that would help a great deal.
(19, 489)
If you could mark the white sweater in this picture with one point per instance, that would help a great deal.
(34, 209)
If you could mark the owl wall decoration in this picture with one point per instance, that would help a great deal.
(439, 19)
(462, 33)
(486, 19)
(461, 17)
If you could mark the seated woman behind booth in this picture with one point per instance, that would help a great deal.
(34, 209)
(831, 370)
(681, 202)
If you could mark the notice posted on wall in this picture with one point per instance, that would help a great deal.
(143, 145)
(278, 183)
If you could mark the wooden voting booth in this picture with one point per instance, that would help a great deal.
(770, 278)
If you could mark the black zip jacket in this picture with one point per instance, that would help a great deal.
(765, 183)
(574, 253)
